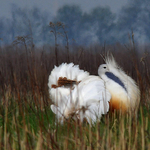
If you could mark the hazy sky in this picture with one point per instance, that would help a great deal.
(53, 5)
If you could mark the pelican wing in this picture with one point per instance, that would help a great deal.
(92, 98)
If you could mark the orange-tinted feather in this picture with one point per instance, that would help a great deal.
(116, 104)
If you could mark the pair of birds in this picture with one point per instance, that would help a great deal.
(81, 96)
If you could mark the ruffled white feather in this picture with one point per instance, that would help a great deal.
(70, 71)
(92, 98)
(89, 99)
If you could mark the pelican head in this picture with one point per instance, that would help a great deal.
(102, 69)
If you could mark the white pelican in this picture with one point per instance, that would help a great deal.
(77, 94)
(125, 94)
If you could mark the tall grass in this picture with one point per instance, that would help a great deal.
(26, 121)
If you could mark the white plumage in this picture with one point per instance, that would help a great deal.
(92, 98)
(124, 91)
(86, 97)
(77, 94)
(72, 72)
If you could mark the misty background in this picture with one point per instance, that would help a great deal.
(95, 25)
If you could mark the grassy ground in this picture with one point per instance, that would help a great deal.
(26, 121)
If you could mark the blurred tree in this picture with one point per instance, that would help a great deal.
(31, 22)
(100, 23)
(87, 28)
(1, 28)
(70, 16)
(135, 16)
(5, 30)
(97, 26)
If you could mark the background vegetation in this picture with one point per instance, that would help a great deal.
(26, 121)
(30, 46)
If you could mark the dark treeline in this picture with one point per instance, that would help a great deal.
(26, 69)
(95, 27)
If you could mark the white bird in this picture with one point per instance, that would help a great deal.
(86, 97)
(125, 94)
(77, 94)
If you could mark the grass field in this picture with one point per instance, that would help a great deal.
(26, 121)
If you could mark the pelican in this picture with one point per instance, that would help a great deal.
(125, 94)
(78, 95)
